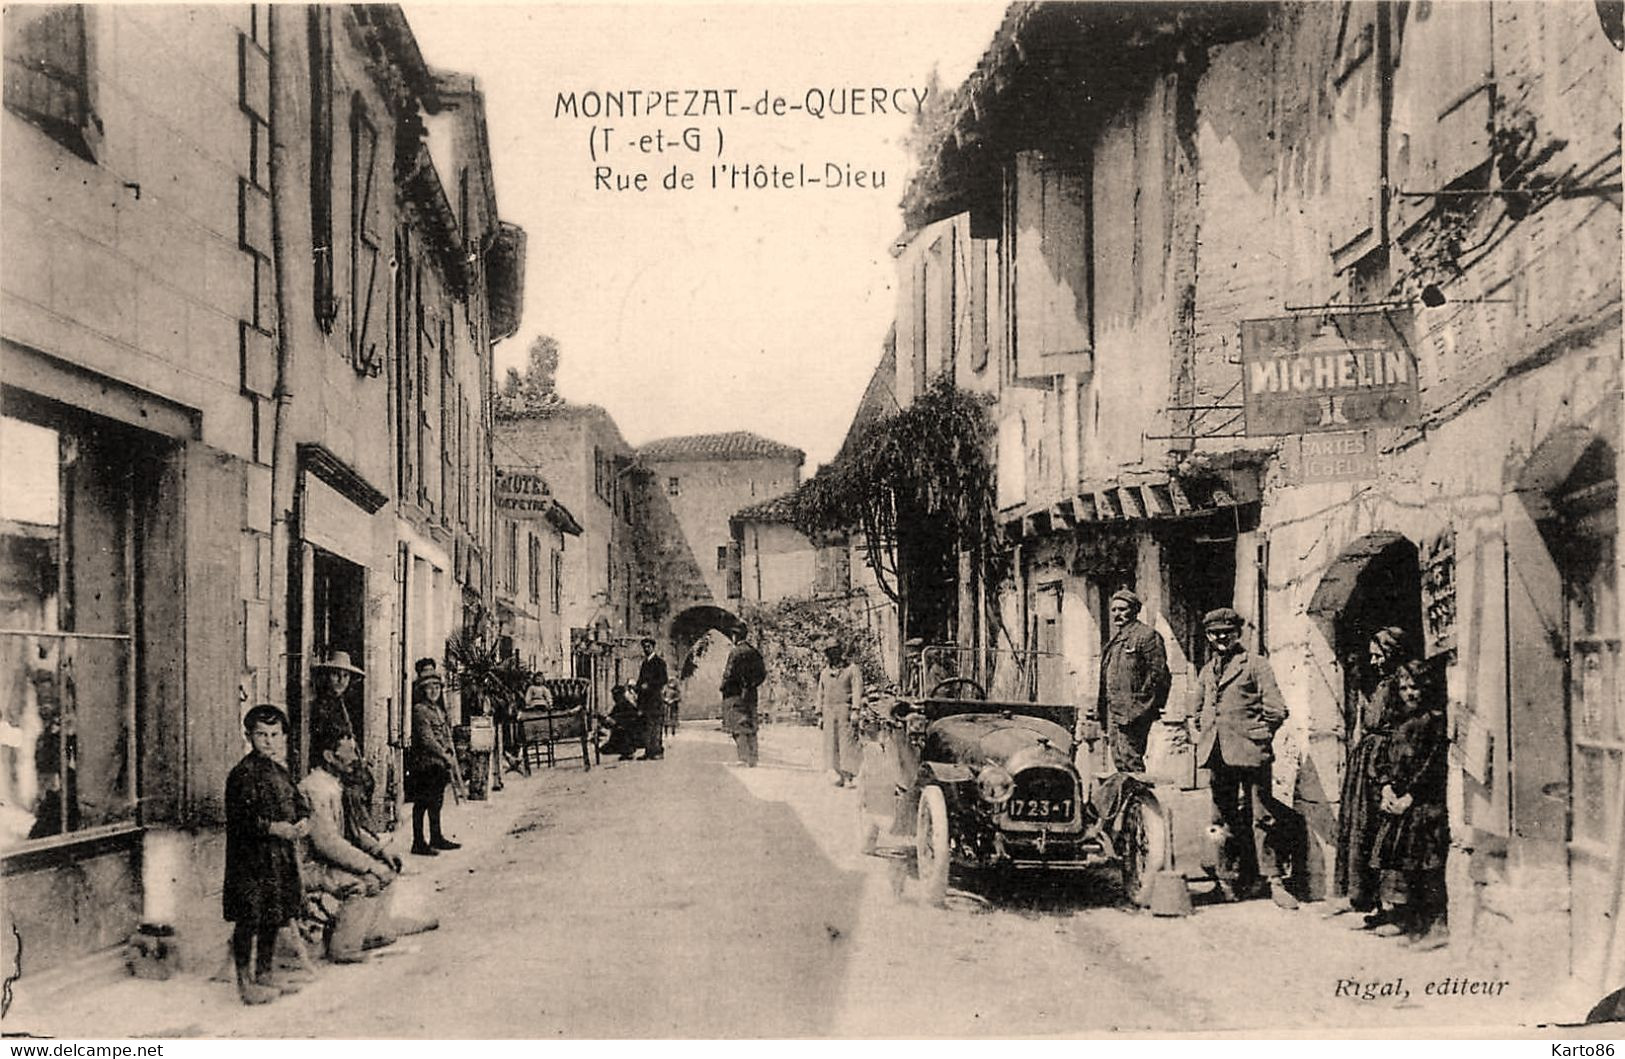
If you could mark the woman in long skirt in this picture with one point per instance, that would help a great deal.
(1414, 838)
(1359, 815)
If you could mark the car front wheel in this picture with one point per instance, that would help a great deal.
(931, 846)
(1143, 844)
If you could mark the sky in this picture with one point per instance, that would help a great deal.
(704, 310)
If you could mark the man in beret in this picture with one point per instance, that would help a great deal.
(1134, 682)
(1239, 710)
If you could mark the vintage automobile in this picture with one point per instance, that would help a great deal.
(993, 786)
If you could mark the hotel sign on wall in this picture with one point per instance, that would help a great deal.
(1323, 373)
(522, 495)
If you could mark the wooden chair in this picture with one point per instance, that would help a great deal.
(567, 727)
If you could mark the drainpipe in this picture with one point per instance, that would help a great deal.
(284, 459)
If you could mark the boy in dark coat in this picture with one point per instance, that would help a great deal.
(264, 821)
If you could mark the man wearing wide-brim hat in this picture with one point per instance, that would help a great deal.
(330, 722)
(1239, 710)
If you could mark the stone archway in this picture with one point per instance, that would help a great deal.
(699, 636)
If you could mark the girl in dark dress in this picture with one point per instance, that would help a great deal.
(264, 820)
(1359, 813)
(1414, 838)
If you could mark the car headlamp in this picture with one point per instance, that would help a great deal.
(995, 785)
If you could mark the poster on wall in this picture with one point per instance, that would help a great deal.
(1437, 557)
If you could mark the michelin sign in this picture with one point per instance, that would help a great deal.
(1337, 372)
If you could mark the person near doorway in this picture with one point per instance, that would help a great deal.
(1239, 710)
(264, 820)
(840, 698)
(743, 673)
(330, 721)
(1414, 837)
(1355, 881)
(353, 871)
(651, 682)
(431, 763)
(1134, 682)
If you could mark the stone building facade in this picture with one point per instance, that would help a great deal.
(1146, 193)
(203, 339)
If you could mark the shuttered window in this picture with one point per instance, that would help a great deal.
(48, 73)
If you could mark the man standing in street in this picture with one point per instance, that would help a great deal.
(741, 676)
(651, 707)
(1239, 710)
(1134, 682)
(329, 722)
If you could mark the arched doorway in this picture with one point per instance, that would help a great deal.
(1375, 583)
(1570, 490)
(700, 642)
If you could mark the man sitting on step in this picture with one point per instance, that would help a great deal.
(348, 864)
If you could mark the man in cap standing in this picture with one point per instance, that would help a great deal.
(1134, 682)
(1239, 710)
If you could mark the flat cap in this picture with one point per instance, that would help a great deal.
(1126, 595)
(1223, 618)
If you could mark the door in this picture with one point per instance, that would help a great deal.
(1048, 602)
(1588, 560)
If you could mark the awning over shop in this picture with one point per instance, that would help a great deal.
(1149, 498)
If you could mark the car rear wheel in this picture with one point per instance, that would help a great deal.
(931, 846)
(1143, 842)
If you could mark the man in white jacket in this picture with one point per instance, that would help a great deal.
(355, 870)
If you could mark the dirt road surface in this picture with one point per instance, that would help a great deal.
(688, 898)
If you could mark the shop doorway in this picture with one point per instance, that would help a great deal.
(338, 623)
(1581, 529)
(1201, 577)
(1376, 583)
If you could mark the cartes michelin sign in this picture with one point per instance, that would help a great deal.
(1338, 372)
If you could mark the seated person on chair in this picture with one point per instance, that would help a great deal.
(349, 864)
(626, 723)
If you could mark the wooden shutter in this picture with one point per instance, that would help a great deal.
(1051, 285)
(1443, 80)
(48, 73)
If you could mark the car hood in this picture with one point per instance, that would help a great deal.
(977, 739)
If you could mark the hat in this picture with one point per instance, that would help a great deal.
(1223, 618)
(338, 660)
(1126, 595)
(428, 672)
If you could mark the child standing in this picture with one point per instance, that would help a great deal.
(264, 820)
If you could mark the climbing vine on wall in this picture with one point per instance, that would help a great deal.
(920, 486)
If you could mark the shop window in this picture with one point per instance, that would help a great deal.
(68, 497)
(48, 73)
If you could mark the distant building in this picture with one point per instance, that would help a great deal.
(530, 552)
(579, 451)
(705, 478)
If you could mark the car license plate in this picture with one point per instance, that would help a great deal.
(1040, 808)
